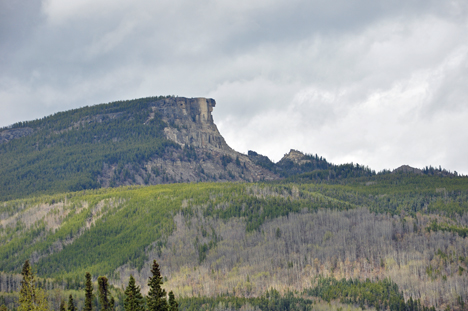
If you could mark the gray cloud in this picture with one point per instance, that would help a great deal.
(373, 82)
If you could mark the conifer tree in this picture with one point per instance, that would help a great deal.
(27, 289)
(156, 298)
(62, 305)
(103, 293)
(71, 304)
(88, 305)
(30, 298)
(173, 305)
(133, 298)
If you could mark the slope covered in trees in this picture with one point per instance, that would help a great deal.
(66, 151)
(243, 238)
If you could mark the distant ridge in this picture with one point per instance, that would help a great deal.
(147, 141)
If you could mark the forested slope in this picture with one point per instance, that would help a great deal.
(67, 151)
(244, 238)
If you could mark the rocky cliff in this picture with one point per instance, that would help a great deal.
(191, 123)
(204, 155)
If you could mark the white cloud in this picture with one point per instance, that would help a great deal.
(370, 82)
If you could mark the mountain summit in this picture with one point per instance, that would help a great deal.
(153, 140)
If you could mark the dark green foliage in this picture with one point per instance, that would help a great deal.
(261, 160)
(225, 160)
(397, 192)
(156, 299)
(103, 293)
(256, 210)
(381, 294)
(27, 291)
(434, 226)
(271, 301)
(133, 298)
(67, 150)
(173, 305)
(312, 167)
(88, 304)
(71, 304)
(371, 294)
(62, 305)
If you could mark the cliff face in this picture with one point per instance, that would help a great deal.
(204, 154)
(191, 123)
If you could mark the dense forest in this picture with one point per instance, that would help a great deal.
(67, 151)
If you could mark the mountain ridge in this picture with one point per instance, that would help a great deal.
(147, 141)
(113, 187)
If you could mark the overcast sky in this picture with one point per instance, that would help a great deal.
(381, 83)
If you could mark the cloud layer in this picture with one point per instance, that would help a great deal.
(364, 81)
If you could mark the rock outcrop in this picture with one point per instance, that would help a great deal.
(204, 154)
(296, 157)
(191, 123)
(10, 134)
(407, 169)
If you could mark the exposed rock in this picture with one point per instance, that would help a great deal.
(204, 154)
(10, 134)
(407, 169)
(191, 123)
(296, 156)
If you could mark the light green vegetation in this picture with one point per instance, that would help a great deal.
(102, 229)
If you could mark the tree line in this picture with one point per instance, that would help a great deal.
(34, 298)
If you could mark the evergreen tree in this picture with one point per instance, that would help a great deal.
(173, 305)
(156, 298)
(88, 305)
(133, 298)
(71, 304)
(27, 289)
(62, 305)
(103, 293)
(30, 298)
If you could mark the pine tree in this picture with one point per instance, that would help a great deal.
(156, 298)
(173, 305)
(71, 304)
(62, 305)
(133, 298)
(26, 298)
(30, 298)
(88, 305)
(103, 293)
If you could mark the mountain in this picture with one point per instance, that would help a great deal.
(112, 187)
(153, 140)
(147, 141)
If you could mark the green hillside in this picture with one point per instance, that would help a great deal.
(245, 237)
(102, 229)
(66, 151)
